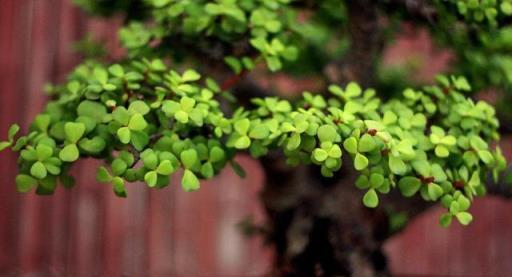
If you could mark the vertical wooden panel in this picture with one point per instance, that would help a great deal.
(68, 29)
(11, 36)
(160, 231)
(34, 246)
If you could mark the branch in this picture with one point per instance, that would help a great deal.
(502, 188)
(366, 45)
(419, 9)
(246, 89)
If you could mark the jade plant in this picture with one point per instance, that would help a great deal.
(187, 99)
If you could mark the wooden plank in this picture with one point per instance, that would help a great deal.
(34, 244)
(61, 215)
(159, 236)
(11, 36)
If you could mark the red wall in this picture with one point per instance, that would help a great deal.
(87, 231)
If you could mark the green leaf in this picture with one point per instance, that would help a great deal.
(506, 8)
(478, 143)
(442, 151)
(242, 126)
(100, 74)
(454, 207)
(243, 142)
(446, 219)
(405, 149)
(124, 135)
(293, 142)
(139, 139)
(190, 75)
(170, 107)
(376, 180)
(187, 104)
(464, 203)
(216, 154)
(335, 152)
(94, 145)
(260, 131)
(189, 181)
(138, 107)
(52, 168)
(434, 191)
(67, 181)
(234, 64)
(20, 143)
(464, 217)
(352, 90)
(165, 168)
(350, 144)
(189, 158)
(151, 178)
(371, 199)
(69, 153)
(25, 183)
(362, 182)
(486, 157)
(320, 154)
(121, 115)
(47, 186)
(29, 154)
(137, 123)
(438, 173)
(409, 185)
(43, 152)
(102, 175)
(237, 169)
(360, 162)
(38, 170)
(74, 131)
(207, 170)
(4, 145)
(327, 133)
(273, 63)
(119, 166)
(92, 109)
(42, 122)
(150, 159)
(397, 165)
(118, 186)
(366, 143)
(13, 130)
(181, 116)
(116, 70)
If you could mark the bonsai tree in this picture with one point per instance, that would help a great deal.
(345, 165)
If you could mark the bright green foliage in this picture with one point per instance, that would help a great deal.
(488, 11)
(385, 149)
(223, 19)
(148, 121)
(13, 130)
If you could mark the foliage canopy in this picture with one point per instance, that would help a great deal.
(150, 115)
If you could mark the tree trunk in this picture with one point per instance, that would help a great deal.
(319, 227)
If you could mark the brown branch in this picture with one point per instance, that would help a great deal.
(365, 46)
(418, 9)
(502, 188)
(233, 80)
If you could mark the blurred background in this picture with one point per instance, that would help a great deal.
(87, 231)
